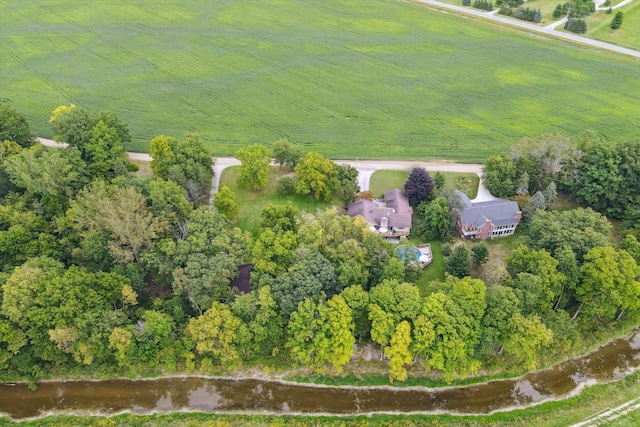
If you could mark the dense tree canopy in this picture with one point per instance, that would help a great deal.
(499, 176)
(106, 273)
(14, 127)
(255, 166)
(186, 162)
(316, 175)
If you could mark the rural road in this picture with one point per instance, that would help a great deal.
(548, 30)
(366, 168)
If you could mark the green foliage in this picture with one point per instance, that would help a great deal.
(607, 176)
(398, 352)
(459, 263)
(120, 212)
(401, 301)
(215, 333)
(14, 126)
(528, 336)
(435, 219)
(479, 254)
(198, 266)
(578, 229)
(347, 183)
(575, 25)
(499, 176)
(536, 282)
(225, 202)
(255, 166)
(536, 203)
(609, 283)
(321, 334)
(317, 175)
(483, 4)
(287, 153)
(286, 186)
(279, 218)
(186, 162)
(449, 352)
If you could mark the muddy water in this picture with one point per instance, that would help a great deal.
(610, 362)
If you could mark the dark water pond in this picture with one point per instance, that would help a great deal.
(610, 362)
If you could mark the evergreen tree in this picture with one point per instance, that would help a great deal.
(617, 21)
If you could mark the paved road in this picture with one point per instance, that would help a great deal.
(534, 28)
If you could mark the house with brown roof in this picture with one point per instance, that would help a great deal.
(481, 220)
(390, 217)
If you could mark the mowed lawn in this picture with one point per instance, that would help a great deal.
(384, 180)
(250, 203)
(349, 79)
(627, 35)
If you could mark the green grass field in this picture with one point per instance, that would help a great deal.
(250, 203)
(627, 35)
(363, 78)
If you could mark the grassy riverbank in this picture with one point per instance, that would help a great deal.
(551, 414)
(364, 78)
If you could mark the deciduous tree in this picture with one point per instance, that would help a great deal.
(398, 352)
(578, 229)
(186, 161)
(255, 166)
(316, 175)
(459, 264)
(215, 332)
(14, 127)
(287, 153)
(225, 202)
(499, 176)
(418, 186)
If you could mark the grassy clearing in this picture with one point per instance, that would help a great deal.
(385, 180)
(364, 78)
(626, 35)
(250, 203)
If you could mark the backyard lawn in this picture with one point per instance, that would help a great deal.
(250, 202)
(358, 79)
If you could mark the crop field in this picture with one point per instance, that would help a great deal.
(349, 79)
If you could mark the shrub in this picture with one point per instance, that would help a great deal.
(446, 250)
(132, 167)
(483, 4)
(578, 26)
(286, 186)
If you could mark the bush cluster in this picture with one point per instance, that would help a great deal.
(483, 4)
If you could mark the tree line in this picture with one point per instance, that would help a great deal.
(104, 270)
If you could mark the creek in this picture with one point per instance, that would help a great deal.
(610, 362)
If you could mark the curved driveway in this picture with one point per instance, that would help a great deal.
(533, 28)
(365, 168)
